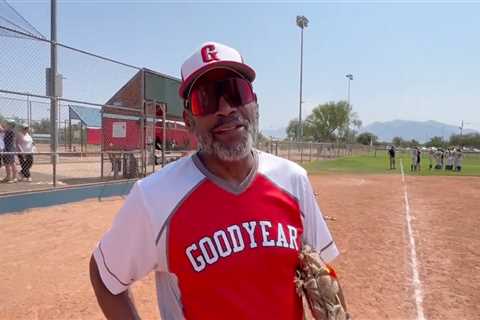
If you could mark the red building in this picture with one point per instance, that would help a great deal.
(133, 118)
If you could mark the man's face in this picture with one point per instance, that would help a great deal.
(229, 133)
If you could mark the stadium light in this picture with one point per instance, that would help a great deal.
(350, 78)
(302, 22)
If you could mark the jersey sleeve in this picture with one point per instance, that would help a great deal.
(127, 251)
(316, 232)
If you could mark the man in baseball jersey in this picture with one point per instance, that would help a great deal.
(222, 228)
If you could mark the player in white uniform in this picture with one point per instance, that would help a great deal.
(450, 157)
(458, 157)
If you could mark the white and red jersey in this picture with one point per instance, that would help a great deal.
(220, 251)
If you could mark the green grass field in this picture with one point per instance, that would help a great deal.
(379, 164)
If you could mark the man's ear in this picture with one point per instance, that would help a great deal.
(187, 118)
(255, 96)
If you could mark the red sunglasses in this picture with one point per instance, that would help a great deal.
(204, 99)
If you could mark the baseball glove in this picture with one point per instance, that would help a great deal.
(319, 289)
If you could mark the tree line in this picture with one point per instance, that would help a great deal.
(332, 121)
(467, 140)
(336, 122)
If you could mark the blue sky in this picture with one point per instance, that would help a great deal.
(413, 61)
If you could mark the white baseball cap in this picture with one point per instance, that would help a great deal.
(212, 55)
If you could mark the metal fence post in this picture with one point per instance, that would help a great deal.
(301, 152)
(164, 133)
(310, 153)
(102, 143)
(53, 91)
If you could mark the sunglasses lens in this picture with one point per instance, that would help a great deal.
(205, 98)
(203, 101)
(238, 92)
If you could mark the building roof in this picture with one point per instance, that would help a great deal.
(91, 117)
(157, 87)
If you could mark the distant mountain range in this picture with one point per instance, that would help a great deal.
(421, 131)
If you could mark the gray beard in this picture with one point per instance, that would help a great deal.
(231, 152)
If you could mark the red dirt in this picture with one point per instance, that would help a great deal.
(44, 257)
(44, 253)
(448, 244)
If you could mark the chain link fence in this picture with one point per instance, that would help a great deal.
(85, 85)
(311, 151)
(87, 142)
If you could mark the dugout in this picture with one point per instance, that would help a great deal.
(145, 114)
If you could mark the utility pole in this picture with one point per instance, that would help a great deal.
(350, 78)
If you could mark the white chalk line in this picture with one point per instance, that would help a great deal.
(417, 285)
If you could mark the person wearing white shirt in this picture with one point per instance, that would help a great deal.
(25, 145)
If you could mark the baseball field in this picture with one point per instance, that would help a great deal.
(409, 245)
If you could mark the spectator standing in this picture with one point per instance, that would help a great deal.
(9, 159)
(25, 145)
(391, 153)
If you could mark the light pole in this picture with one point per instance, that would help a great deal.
(53, 89)
(302, 22)
(350, 78)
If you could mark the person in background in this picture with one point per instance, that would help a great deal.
(458, 157)
(9, 159)
(25, 145)
(449, 155)
(391, 153)
(438, 159)
(431, 157)
(413, 165)
(419, 159)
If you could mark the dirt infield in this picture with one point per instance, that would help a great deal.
(44, 253)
